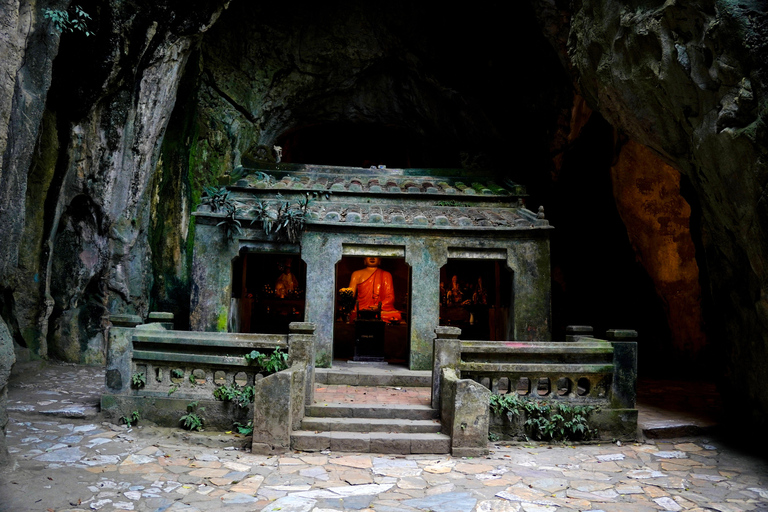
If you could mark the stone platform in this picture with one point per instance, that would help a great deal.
(83, 464)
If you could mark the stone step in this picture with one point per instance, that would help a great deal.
(390, 411)
(370, 442)
(373, 376)
(371, 425)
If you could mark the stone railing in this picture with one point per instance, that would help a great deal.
(194, 364)
(588, 371)
(179, 367)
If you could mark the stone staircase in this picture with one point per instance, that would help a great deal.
(371, 408)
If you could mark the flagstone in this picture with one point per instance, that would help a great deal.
(317, 472)
(533, 507)
(599, 496)
(580, 474)
(668, 503)
(609, 467)
(360, 462)
(232, 498)
(472, 469)
(141, 468)
(550, 485)
(688, 447)
(138, 459)
(655, 492)
(249, 485)
(671, 455)
(209, 472)
(212, 464)
(498, 506)
(448, 502)
(289, 461)
(411, 482)
(628, 489)
(356, 477)
(315, 460)
(589, 485)
(440, 489)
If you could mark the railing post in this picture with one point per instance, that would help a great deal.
(624, 386)
(120, 352)
(446, 354)
(301, 350)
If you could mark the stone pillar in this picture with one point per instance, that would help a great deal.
(120, 352)
(531, 290)
(447, 354)
(301, 350)
(426, 258)
(624, 386)
(321, 253)
(211, 278)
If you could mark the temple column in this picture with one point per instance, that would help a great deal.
(321, 252)
(426, 257)
(531, 290)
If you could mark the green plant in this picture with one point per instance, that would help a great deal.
(176, 373)
(274, 362)
(546, 419)
(138, 380)
(173, 389)
(192, 420)
(237, 174)
(451, 203)
(192, 379)
(131, 419)
(66, 21)
(246, 429)
(219, 200)
(234, 393)
(284, 218)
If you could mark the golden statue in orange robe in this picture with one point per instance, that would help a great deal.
(373, 286)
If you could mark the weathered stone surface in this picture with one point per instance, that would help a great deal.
(688, 81)
(7, 358)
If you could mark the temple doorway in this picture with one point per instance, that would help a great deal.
(369, 325)
(476, 296)
(267, 292)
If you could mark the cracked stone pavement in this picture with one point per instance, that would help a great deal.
(76, 462)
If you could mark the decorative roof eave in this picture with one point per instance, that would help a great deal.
(418, 223)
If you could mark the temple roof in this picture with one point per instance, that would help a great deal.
(385, 198)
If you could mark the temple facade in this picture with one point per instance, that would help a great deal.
(281, 245)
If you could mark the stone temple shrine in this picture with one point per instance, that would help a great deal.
(456, 249)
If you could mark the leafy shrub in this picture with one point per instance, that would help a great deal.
(275, 362)
(63, 21)
(546, 420)
(234, 393)
(131, 419)
(192, 420)
(138, 380)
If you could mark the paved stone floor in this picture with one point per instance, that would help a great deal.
(68, 460)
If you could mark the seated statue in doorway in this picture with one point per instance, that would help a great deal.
(373, 288)
(287, 283)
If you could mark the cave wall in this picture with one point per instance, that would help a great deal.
(82, 138)
(687, 81)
